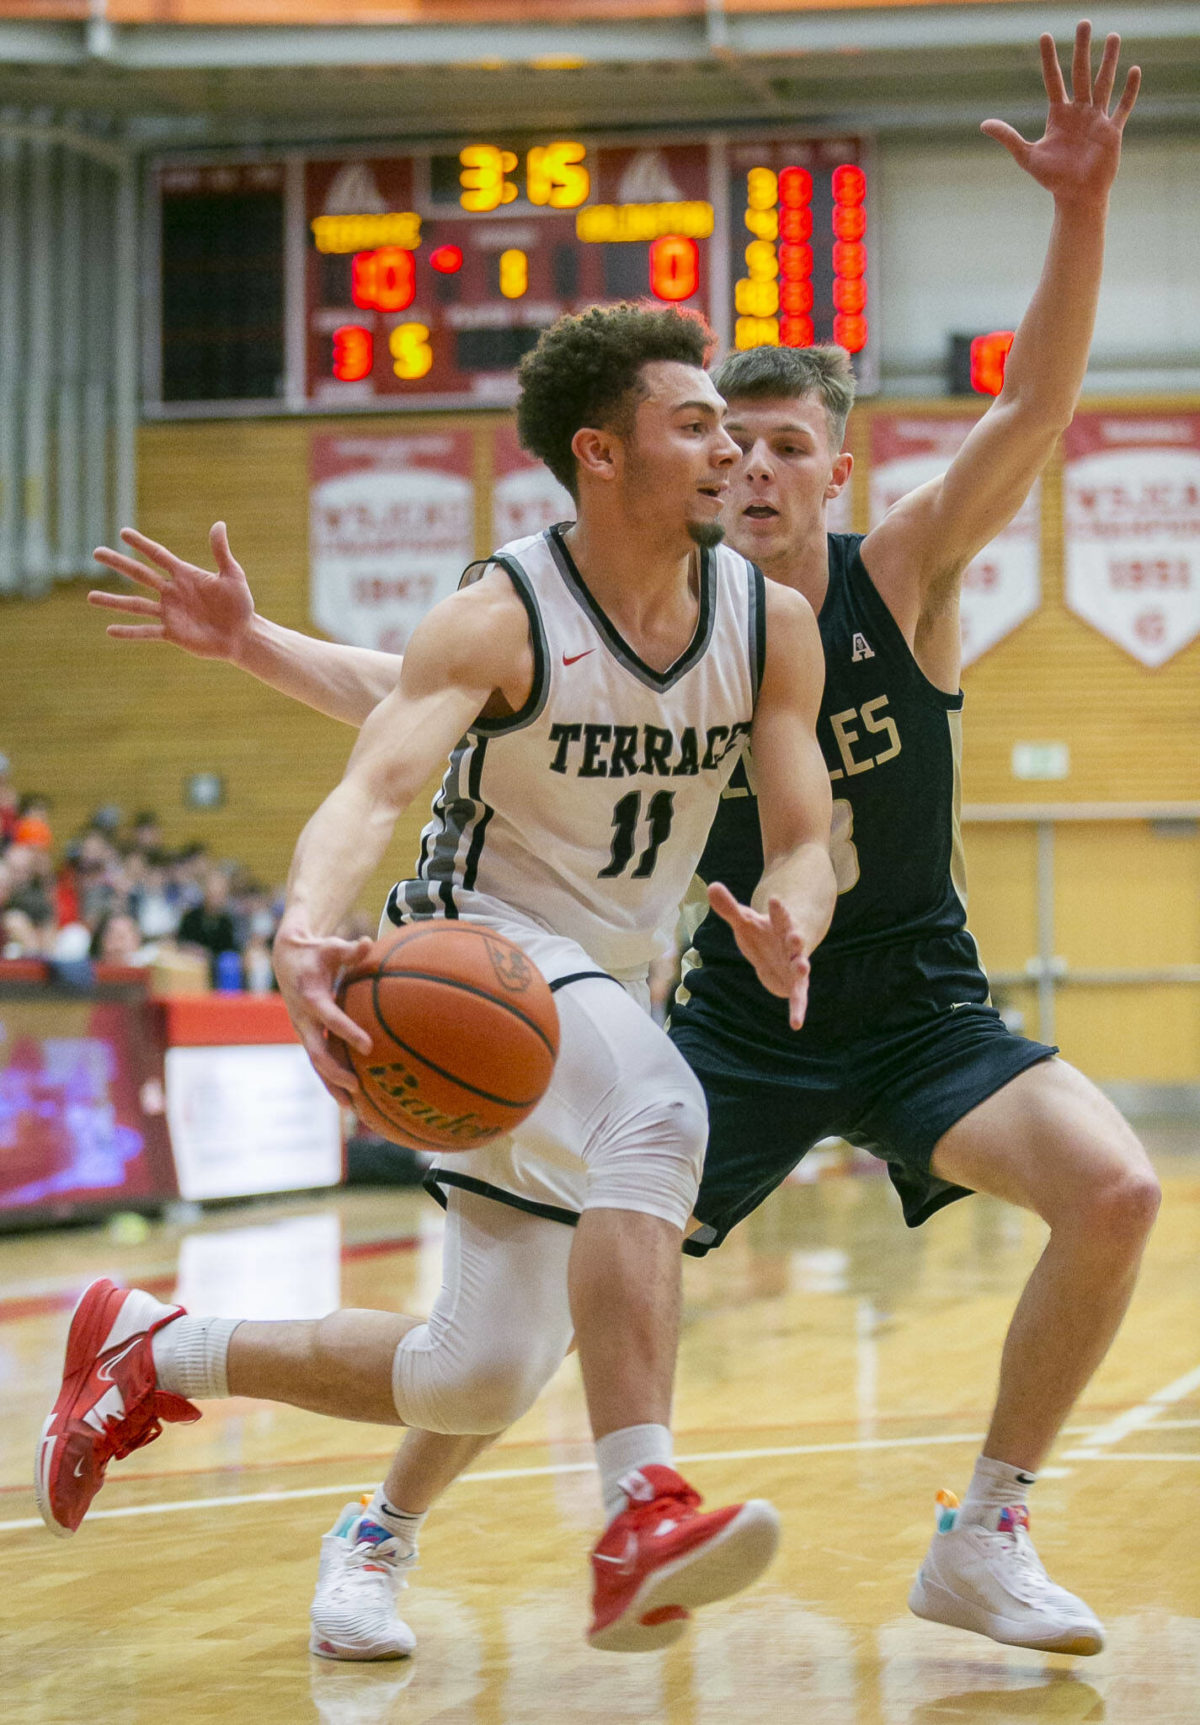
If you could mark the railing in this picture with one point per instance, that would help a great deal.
(1046, 969)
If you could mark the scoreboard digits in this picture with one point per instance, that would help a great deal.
(383, 280)
(412, 356)
(353, 352)
(514, 274)
(674, 267)
(555, 174)
(428, 276)
(805, 274)
(484, 177)
(849, 258)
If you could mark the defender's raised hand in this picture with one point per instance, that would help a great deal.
(1078, 154)
(206, 614)
(773, 945)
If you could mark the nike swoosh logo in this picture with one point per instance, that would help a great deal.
(575, 657)
(105, 1371)
(627, 1559)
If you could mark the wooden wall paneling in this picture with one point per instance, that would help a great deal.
(1001, 892)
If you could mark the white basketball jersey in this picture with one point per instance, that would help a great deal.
(587, 811)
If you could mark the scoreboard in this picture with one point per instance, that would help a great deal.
(418, 280)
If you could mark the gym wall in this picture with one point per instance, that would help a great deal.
(97, 720)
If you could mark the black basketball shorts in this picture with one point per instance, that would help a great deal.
(894, 1096)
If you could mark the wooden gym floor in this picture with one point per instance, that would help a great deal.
(831, 1360)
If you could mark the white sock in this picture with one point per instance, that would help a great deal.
(190, 1356)
(995, 1485)
(621, 1452)
(405, 1527)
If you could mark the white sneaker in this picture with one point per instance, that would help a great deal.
(986, 1576)
(353, 1614)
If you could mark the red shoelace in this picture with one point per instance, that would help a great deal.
(641, 1514)
(127, 1432)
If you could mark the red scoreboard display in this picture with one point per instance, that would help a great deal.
(426, 276)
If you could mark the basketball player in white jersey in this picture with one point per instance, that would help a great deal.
(628, 647)
(1004, 1116)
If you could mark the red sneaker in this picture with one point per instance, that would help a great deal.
(662, 1556)
(109, 1404)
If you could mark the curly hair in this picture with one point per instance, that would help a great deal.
(585, 370)
(777, 373)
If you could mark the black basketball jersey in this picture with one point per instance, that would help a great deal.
(898, 945)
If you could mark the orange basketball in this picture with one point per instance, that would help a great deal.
(464, 1035)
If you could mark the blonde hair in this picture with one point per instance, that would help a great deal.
(782, 373)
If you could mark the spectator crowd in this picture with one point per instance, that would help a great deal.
(117, 895)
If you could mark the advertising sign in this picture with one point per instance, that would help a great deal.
(250, 1119)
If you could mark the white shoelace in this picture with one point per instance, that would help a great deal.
(373, 1565)
(1020, 1567)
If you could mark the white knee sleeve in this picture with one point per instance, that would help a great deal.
(500, 1326)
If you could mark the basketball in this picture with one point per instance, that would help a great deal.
(464, 1034)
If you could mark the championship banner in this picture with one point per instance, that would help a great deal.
(1002, 586)
(526, 497)
(1131, 520)
(391, 529)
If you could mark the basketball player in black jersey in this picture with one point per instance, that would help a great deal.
(901, 1052)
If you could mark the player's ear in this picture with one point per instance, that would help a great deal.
(596, 452)
(839, 478)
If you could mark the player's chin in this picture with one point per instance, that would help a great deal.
(706, 534)
(755, 540)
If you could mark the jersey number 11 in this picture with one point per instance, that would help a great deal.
(625, 819)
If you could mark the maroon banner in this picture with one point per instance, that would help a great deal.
(1131, 522)
(391, 529)
(1002, 585)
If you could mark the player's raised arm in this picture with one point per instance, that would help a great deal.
(793, 902)
(931, 535)
(470, 654)
(211, 615)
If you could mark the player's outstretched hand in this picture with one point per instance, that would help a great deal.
(1077, 157)
(772, 943)
(307, 968)
(209, 615)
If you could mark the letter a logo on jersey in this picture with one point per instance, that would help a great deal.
(861, 649)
